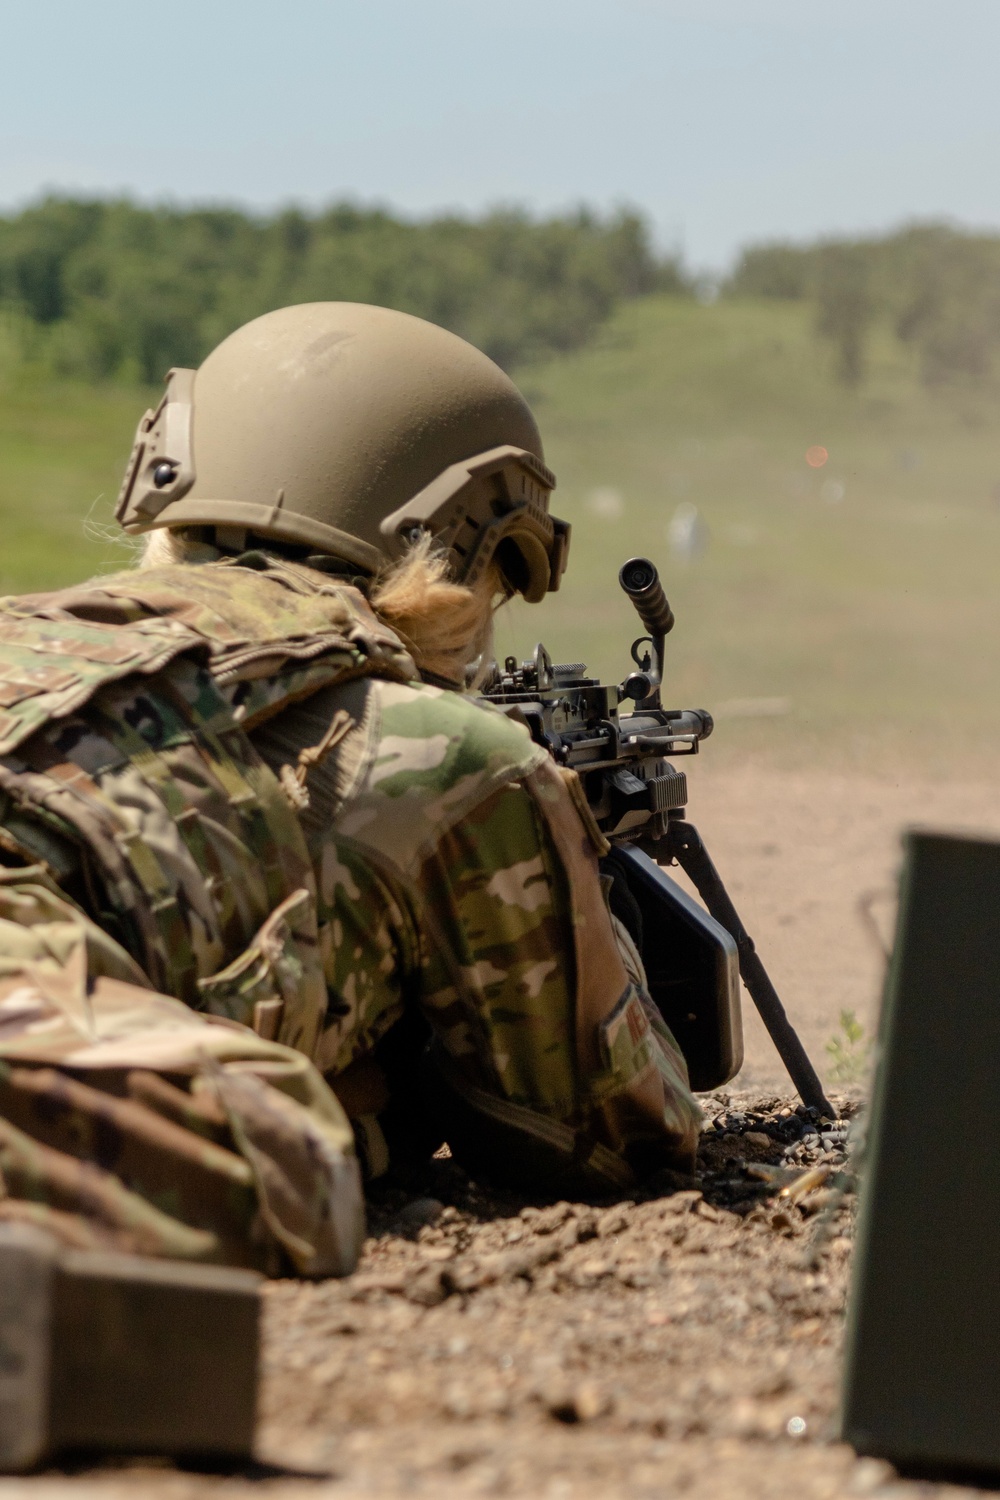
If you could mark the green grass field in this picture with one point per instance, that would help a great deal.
(62, 454)
(859, 599)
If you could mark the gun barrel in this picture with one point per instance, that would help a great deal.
(641, 582)
(693, 724)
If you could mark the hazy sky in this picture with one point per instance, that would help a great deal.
(725, 120)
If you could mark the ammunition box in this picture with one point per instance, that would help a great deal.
(122, 1354)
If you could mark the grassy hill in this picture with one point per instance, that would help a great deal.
(864, 593)
(857, 602)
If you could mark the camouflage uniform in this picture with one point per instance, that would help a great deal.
(247, 853)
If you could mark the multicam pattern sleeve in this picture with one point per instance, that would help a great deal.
(454, 873)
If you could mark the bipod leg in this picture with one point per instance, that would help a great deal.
(684, 843)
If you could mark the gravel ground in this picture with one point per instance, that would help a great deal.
(684, 1343)
(493, 1346)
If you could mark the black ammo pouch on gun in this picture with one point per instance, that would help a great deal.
(691, 964)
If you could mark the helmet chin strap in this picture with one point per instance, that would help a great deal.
(234, 541)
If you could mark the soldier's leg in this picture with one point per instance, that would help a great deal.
(128, 1120)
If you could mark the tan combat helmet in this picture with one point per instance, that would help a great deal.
(351, 430)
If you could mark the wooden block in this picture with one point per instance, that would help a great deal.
(27, 1286)
(119, 1353)
(923, 1351)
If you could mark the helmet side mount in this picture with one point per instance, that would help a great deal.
(160, 469)
(484, 508)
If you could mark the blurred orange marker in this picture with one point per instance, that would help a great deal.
(816, 457)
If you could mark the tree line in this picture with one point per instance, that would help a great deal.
(937, 287)
(100, 289)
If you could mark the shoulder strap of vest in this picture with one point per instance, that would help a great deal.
(271, 632)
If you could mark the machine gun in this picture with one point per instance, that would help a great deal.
(638, 798)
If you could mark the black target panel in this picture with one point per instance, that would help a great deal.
(922, 1378)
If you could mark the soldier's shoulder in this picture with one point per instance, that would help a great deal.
(436, 755)
(442, 737)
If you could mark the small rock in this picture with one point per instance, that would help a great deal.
(585, 1403)
(590, 1401)
(675, 1231)
(567, 1237)
(457, 1402)
(586, 1224)
(634, 1276)
(681, 1203)
(614, 1220)
(523, 1261)
(495, 1402)
(807, 1329)
(869, 1476)
(747, 1419)
(429, 1286)
(461, 1458)
(364, 1284)
(346, 1325)
(757, 1138)
(468, 1274)
(549, 1220)
(545, 1280)
(822, 1198)
(773, 1382)
(593, 1270)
